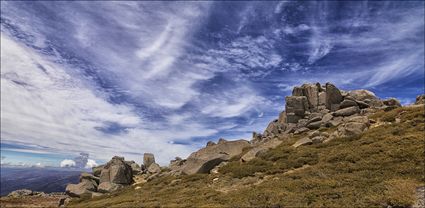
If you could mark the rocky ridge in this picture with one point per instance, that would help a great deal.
(320, 112)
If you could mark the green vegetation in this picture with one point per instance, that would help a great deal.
(382, 167)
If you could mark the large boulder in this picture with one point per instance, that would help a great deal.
(351, 129)
(273, 129)
(295, 108)
(106, 187)
(311, 91)
(347, 111)
(303, 141)
(251, 154)
(134, 167)
(362, 95)
(84, 187)
(117, 171)
(333, 97)
(205, 159)
(154, 168)
(148, 159)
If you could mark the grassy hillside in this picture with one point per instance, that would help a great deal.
(382, 167)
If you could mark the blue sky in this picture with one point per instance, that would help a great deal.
(124, 78)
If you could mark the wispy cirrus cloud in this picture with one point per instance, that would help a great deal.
(132, 77)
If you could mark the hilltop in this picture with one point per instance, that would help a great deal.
(329, 147)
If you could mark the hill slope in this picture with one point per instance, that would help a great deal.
(384, 166)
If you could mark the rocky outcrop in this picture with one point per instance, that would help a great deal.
(205, 159)
(112, 176)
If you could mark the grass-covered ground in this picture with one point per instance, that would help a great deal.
(382, 167)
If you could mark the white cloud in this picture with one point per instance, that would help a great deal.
(91, 163)
(67, 163)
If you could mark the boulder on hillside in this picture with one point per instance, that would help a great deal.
(117, 171)
(205, 159)
(106, 187)
(362, 95)
(84, 187)
(347, 111)
(333, 97)
(295, 108)
(420, 99)
(148, 159)
(134, 167)
(303, 141)
(154, 168)
(274, 128)
(251, 154)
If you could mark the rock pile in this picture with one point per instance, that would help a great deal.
(116, 174)
(205, 159)
(313, 106)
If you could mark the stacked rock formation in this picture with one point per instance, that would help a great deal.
(112, 176)
(312, 106)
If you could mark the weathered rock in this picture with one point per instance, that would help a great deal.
(362, 105)
(210, 143)
(420, 99)
(117, 171)
(297, 91)
(97, 170)
(106, 187)
(362, 95)
(84, 187)
(311, 91)
(336, 121)
(88, 176)
(327, 117)
(303, 141)
(282, 117)
(351, 129)
(296, 107)
(392, 102)
(314, 119)
(314, 134)
(317, 139)
(251, 154)
(20, 193)
(272, 129)
(148, 159)
(314, 125)
(347, 111)
(134, 167)
(216, 169)
(205, 159)
(347, 103)
(358, 119)
(154, 168)
(176, 163)
(301, 130)
(333, 97)
(322, 99)
(256, 137)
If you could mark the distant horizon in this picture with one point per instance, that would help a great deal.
(93, 80)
